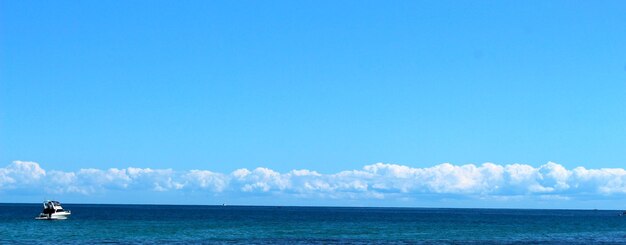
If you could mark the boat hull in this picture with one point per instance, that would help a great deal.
(54, 216)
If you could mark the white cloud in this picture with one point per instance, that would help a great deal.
(203, 179)
(260, 179)
(606, 181)
(20, 174)
(550, 181)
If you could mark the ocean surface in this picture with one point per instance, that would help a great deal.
(140, 224)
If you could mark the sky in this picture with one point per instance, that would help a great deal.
(462, 103)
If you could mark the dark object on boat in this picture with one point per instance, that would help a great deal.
(623, 214)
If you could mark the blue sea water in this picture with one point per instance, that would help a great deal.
(128, 224)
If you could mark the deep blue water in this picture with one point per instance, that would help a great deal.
(307, 225)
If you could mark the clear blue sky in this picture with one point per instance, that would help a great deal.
(322, 85)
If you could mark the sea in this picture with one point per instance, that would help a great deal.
(188, 224)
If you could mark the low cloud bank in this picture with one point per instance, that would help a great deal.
(377, 181)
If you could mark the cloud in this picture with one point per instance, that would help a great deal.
(20, 173)
(203, 179)
(550, 181)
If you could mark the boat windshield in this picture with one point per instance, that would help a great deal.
(51, 204)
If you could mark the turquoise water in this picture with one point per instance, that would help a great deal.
(307, 225)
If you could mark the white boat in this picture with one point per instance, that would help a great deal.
(52, 210)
